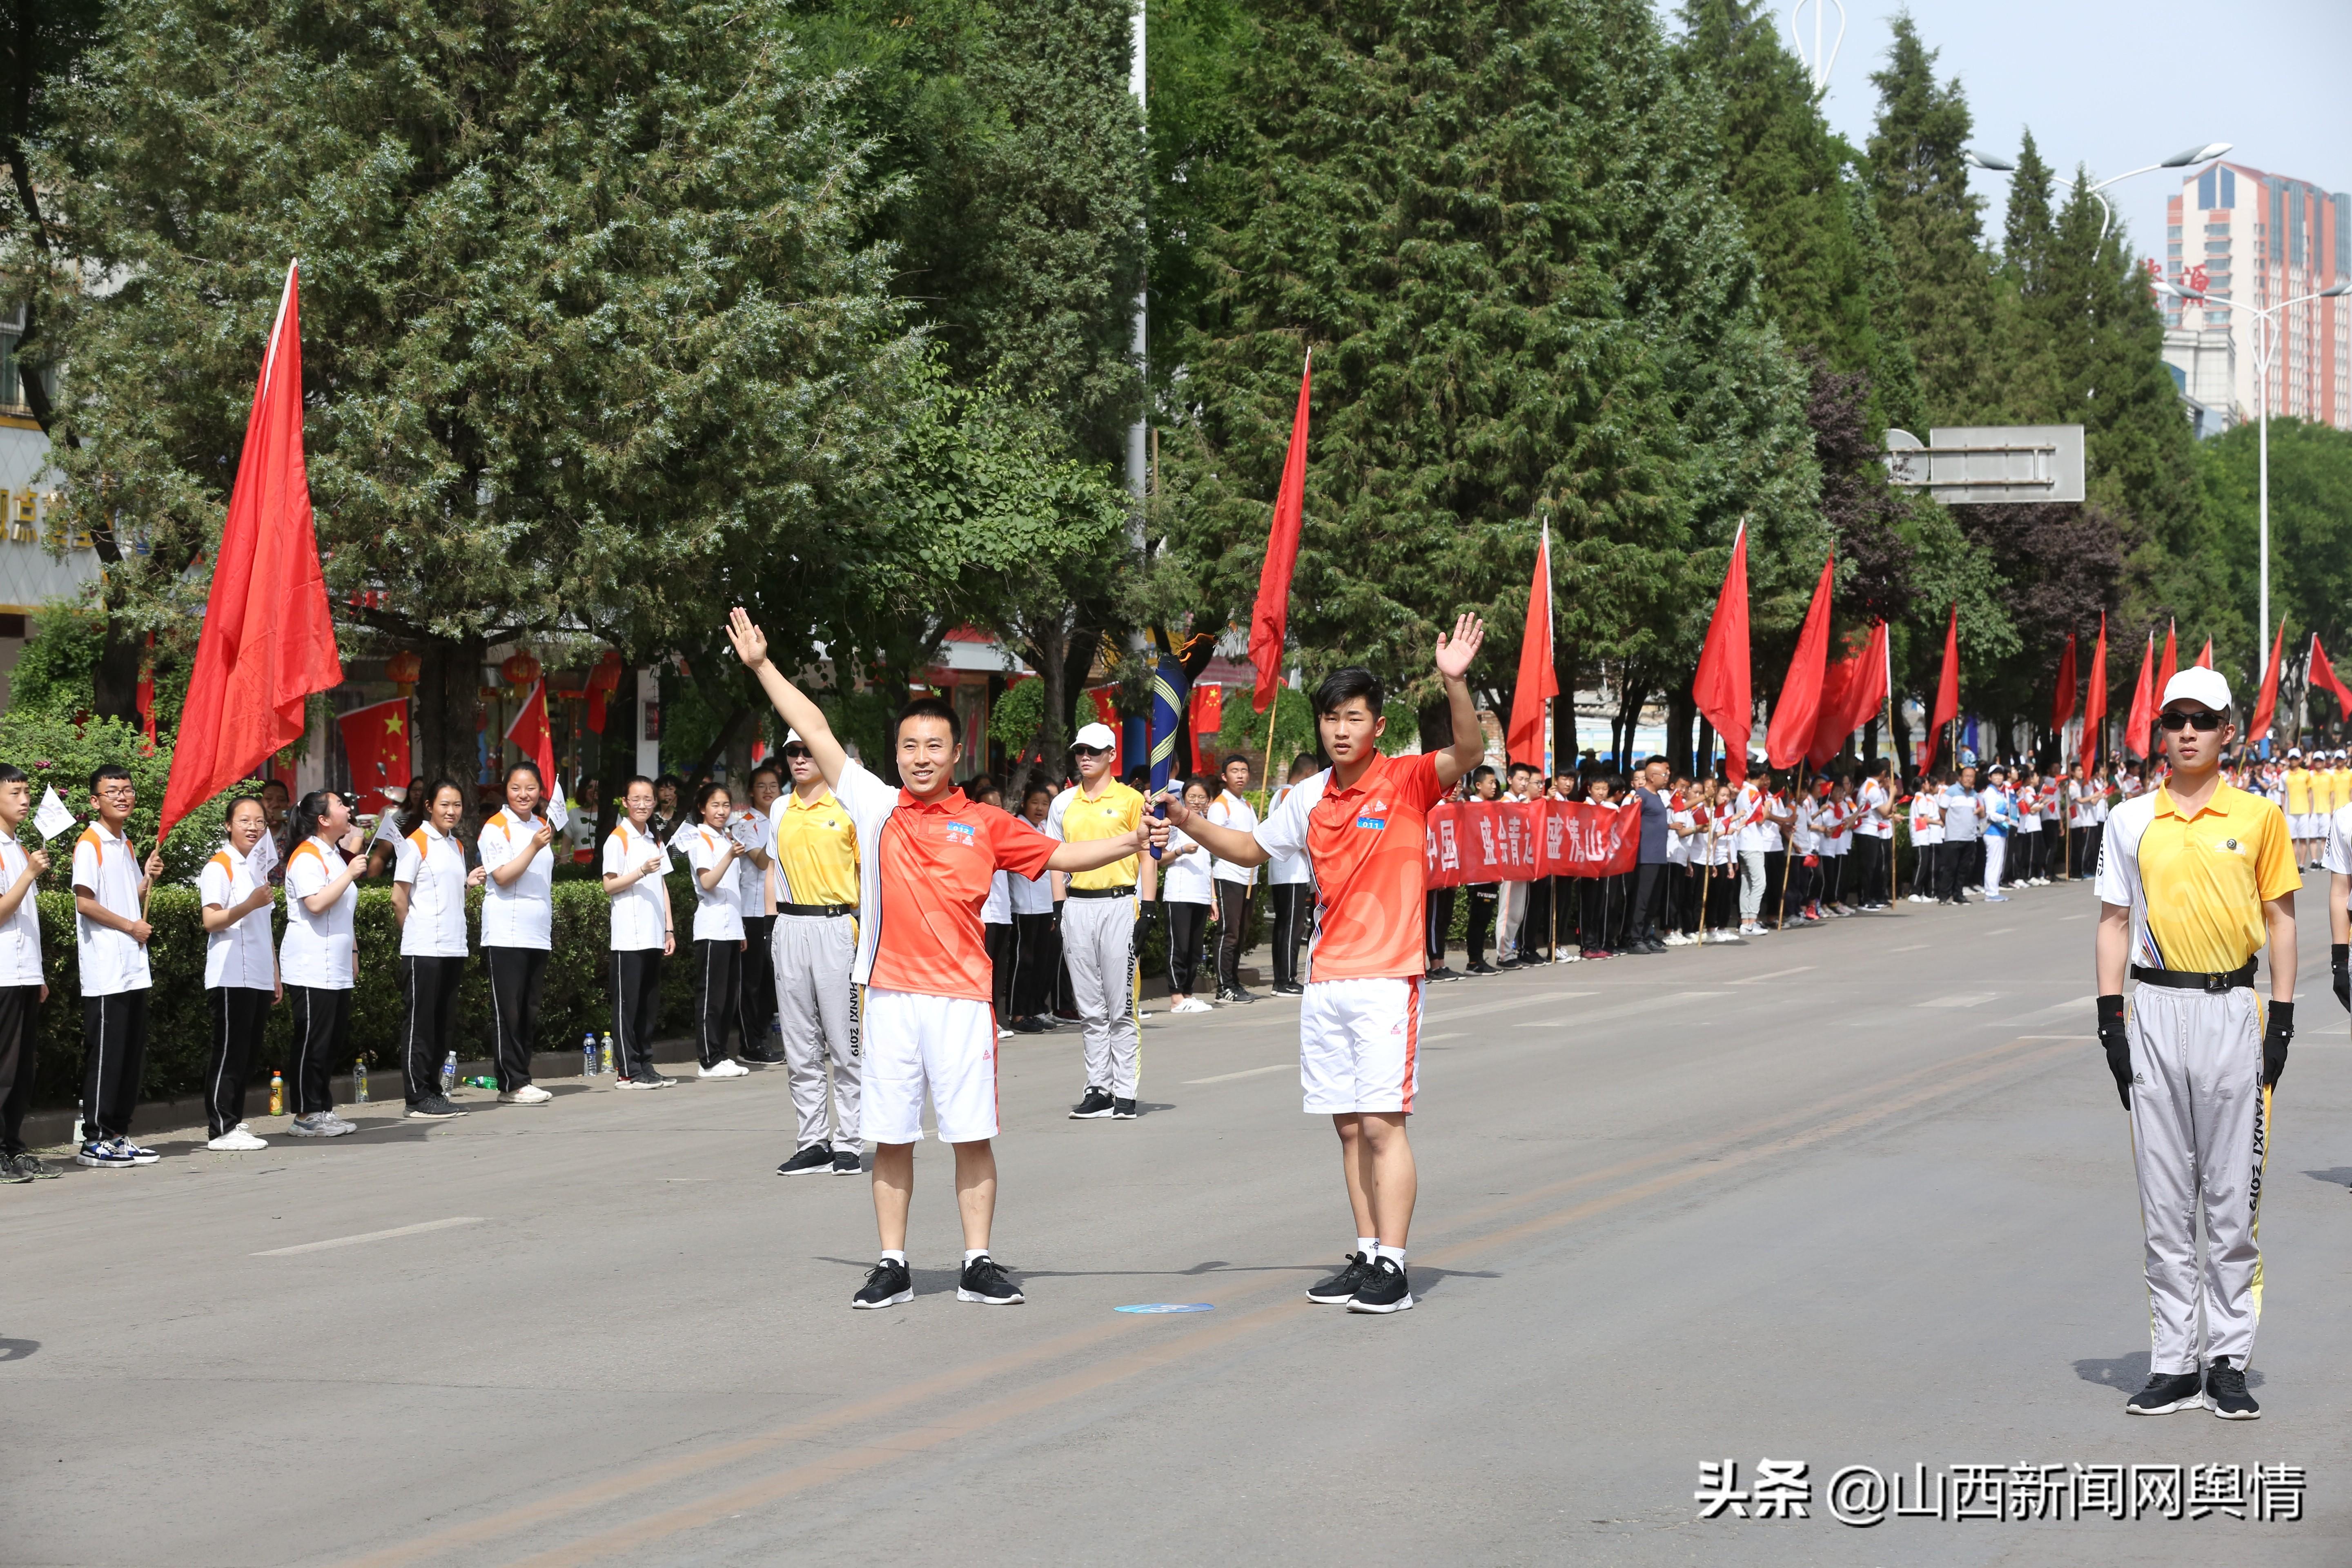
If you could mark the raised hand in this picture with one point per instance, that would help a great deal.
(750, 642)
(1454, 653)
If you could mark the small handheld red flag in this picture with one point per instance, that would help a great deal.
(1271, 617)
(1791, 733)
(1720, 689)
(2266, 704)
(1539, 681)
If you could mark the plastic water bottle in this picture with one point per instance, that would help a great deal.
(608, 1053)
(277, 1092)
(359, 1080)
(449, 1073)
(588, 1054)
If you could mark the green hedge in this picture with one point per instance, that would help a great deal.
(180, 1034)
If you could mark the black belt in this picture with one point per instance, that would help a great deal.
(1126, 892)
(816, 908)
(2195, 980)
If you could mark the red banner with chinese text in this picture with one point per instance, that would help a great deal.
(1517, 841)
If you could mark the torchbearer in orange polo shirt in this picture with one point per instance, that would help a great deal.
(1362, 825)
(926, 857)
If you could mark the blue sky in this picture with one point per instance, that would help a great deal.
(2115, 86)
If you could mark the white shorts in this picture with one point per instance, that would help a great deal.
(1360, 1045)
(915, 1042)
(2311, 825)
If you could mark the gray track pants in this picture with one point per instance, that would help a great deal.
(816, 1006)
(2200, 1132)
(1099, 940)
(1751, 884)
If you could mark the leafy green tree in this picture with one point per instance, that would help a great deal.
(2311, 539)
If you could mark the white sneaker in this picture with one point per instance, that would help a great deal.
(728, 1068)
(235, 1141)
(1192, 1004)
(1002, 1033)
(528, 1094)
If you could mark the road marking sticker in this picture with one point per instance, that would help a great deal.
(1169, 1306)
(1913, 948)
(371, 1236)
(1773, 974)
(1245, 1072)
(1965, 999)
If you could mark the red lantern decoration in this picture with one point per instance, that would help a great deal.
(402, 669)
(519, 669)
(603, 681)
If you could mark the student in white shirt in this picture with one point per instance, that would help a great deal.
(1927, 839)
(1754, 835)
(1187, 884)
(754, 829)
(240, 971)
(516, 847)
(1870, 884)
(1037, 955)
(1234, 884)
(634, 865)
(711, 851)
(997, 936)
(1290, 888)
(22, 989)
(428, 901)
(110, 933)
(319, 957)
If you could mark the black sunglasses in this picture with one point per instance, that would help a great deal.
(1089, 751)
(2206, 720)
(795, 749)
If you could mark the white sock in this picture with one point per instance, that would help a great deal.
(1370, 1245)
(891, 1255)
(1393, 1254)
(972, 1252)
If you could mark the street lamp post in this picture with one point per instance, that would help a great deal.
(2265, 352)
(2182, 159)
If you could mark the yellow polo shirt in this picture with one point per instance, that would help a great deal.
(2327, 790)
(1074, 819)
(2298, 792)
(815, 849)
(2196, 885)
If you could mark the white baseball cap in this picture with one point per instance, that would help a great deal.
(2293, 752)
(2197, 684)
(1098, 736)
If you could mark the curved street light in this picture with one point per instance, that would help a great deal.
(2203, 153)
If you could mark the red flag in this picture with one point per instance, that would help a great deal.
(1948, 691)
(2323, 675)
(1538, 682)
(1855, 686)
(2205, 659)
(375, 740)
(2061, 702)
(2168, 669)
(1791, 732)
(146, 696)
(2095, 701)
(2143, 708)
(532, 736)
(269, 639)
(1106, 714)
(2266, 704)
(1828, 738)
(1721, 687)
(1271, 616)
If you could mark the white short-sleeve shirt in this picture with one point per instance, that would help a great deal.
(1032, 895)
(2336, 857)
(1187, 879)
(434, 868)
(1748, 819)
(239, 953)
(522, 913)
(717, 912)
(1230, 810)
(638, 908)
(754, 829)
(20, 933)
(111, 960)
(1284, 869)
(1875, 797)
(317, 951)
(1926, 818)
(996, 910)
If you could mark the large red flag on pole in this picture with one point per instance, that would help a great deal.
(269, 640)
(532, 736)
(1790, 734)
(1271, 617)
(2168, 669)
(2143, 708)
(1720, 689)
(376, 743)
(2267, 705)
(2205, 657)
(2062, 701)
(1948, 691)
(1852, 690)
(2095, 701)
(2323, 675)
(1539, 681)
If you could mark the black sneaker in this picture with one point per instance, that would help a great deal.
(1384, 1289)
(2225, 1393)
(764, 1058)
(986, 1283)
(1443, 973)
(437, 1109)
(845, 1162)
(1290, 988)
(889, 1285)
(1481, 968)
(1097, 1103)
(1026, 1026)
(2168, 1391)
(1341, 1286)
(1229, 994)
(813, 1161)
(31, 1164)
(11, 1176)
(1122, 1110)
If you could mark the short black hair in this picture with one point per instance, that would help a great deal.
(1303, 764)
(526, 765)
(710, 787)
(432, 791)
(11, 773)
(104, 771)
(633, 781)
(1231, 758)
(234, 800)
(1518, 768)
(929, 708)
(1344, 686)
(768, 768)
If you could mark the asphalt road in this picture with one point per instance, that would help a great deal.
(1857, 1195)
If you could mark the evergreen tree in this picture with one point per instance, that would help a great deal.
(1896, 392)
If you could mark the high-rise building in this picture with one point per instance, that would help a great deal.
(2257, 239)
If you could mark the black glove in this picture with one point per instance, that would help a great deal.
(2275, 1035)
(2117, 1041)
(1145, 912)
(2336, 963)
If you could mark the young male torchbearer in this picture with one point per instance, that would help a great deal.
(2195, 876)
(1362, 825)
(925, 857)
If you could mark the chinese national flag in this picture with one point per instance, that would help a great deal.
(1794, 716)
(1720, 689)
(1948, 691)
(532, 736)
(2095, 701)
(2062, 701)
(375, 739)
(2143, 708)
(2267, 705)
(1851, 692)
(269, 640)
(1208, 717)
(1108, 713)
(1539, 680)
(1271, 617)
